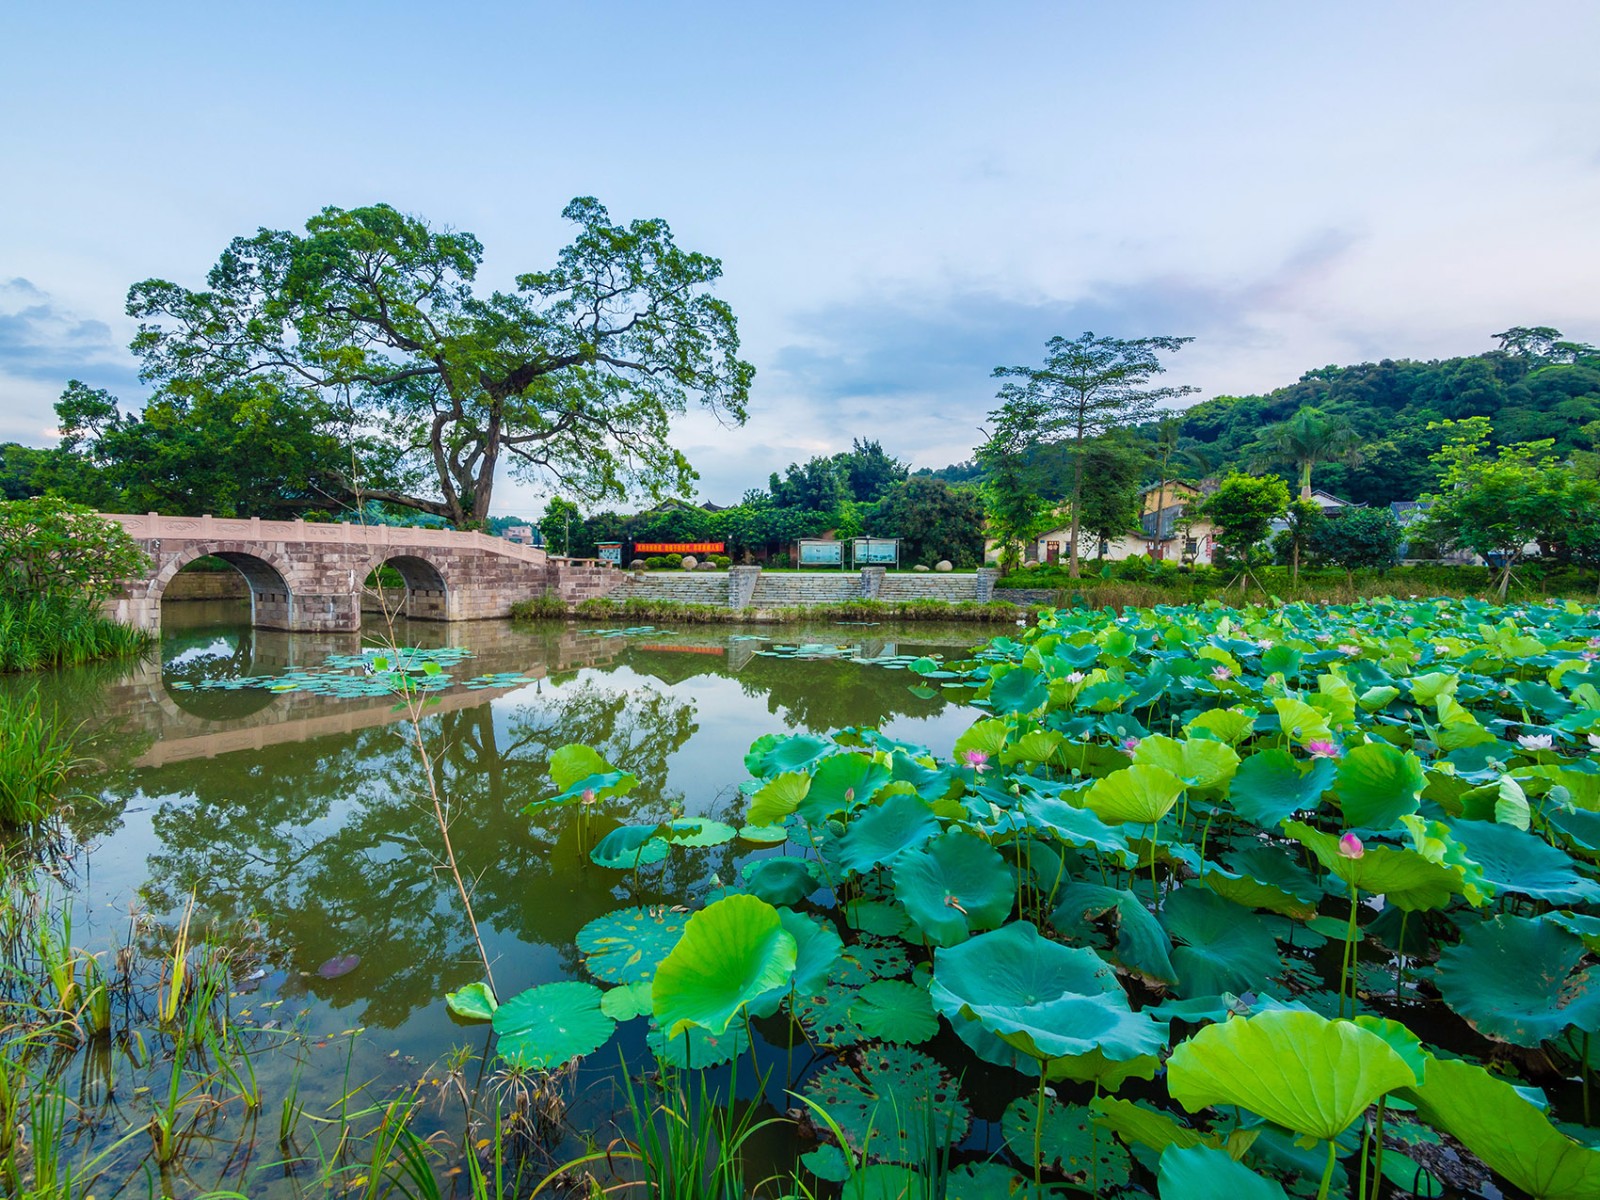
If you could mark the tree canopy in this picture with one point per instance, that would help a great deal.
(1088, 387)
(573, 377)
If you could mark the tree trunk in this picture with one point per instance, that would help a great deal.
(1294, 569)
(1073, 567)
(1305, 480)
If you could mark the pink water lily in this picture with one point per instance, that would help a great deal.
(1075, 677)
(978, 760)
(1322, 748)
(1350, 846)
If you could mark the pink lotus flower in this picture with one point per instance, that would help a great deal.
(1221, 673)
(1350, 846)
(1594, 643)
(1536, 741)
(588, 796)
(1129, 745)
(1323, 637)
(1348, 650)
(978, 760)
(1589, 656)
(1322, 748)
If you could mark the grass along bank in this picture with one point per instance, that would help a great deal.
(39, 632)
(1138, 583)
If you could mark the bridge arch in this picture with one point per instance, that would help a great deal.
(272, 600)
(428, 593)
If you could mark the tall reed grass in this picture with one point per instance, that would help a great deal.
(36, 759)
(43, 631)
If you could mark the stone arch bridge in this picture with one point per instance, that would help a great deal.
(310, 577)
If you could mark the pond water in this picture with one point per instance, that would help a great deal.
(301, 827)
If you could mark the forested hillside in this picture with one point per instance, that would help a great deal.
(1534, 384)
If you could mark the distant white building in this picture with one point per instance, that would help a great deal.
(523, 535)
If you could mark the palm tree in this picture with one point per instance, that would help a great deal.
(1308, 438)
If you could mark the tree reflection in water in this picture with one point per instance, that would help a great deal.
(332, 844)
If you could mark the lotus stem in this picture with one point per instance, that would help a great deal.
(1583, 1076)
(1347, 981)
(1327, 1170)
(1377, 1164)
(1038, 1130)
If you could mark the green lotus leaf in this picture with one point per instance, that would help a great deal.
(827, 1161)
(1035, 746)
(1019, 690)
(988, 1181)
(765, 835)
(1524, 863)
(551, 1024)
(626, 1002)
(987, 738)
(572, 762)
(698, 831)
(1142, 945)
(957, 884)
(1407, 879)
(840, 783)
(777, 752)
(1199, 762)
(1270, 786)
(1068, 1140)
(778, 797)
(1138, 1123)
(1077, 827)
(897, 1097)
(1491, 1119)
(892, 1010)
(699, 1048)
(877, 834)
(781, 880)
(730, 953)
(1202, 1171)
(1230, 725)
(1516, 981)
(1300, 722)
(1249, 892)
(1302, 1071)
(872, 958)
(626, 946)
(1222, 948)
(1138, 793)
(1377, 785)
(603, 785)
(1401, 1040)
(878, 917)
(817, 948)
(629, 847)
(475, 1002)
(824, 1013)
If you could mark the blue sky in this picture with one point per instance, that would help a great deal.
(903, 195)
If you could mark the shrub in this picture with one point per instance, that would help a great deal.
(721, 560)
(51, 547)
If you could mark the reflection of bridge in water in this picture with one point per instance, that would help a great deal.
(178, 726)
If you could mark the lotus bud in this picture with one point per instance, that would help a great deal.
(1350, 846)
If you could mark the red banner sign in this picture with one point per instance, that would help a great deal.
(678, 547)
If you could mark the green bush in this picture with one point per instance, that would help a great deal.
(721, 560)
(663, 562)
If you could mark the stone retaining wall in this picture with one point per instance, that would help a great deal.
(207, 585)
(751, 587)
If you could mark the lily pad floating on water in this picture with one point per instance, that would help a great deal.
(475, 1002)
(892, 1010)
(1516, 980)
(551, 1024)
(1070, 1141)
(338, 966)
(895, 1107)
(626, 946)
(781, 880)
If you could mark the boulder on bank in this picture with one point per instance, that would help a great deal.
(638, 564)
(705, 566)
(690, 562)
(944, 564)
(921, 567)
